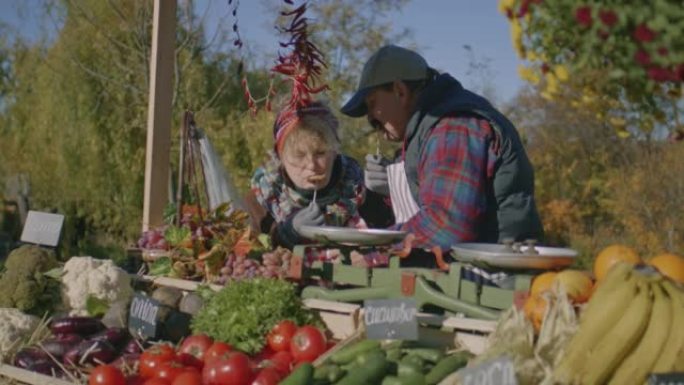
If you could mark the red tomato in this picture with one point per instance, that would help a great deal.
(196, 345)
(134, 380)
(171, 369)
(307, 344)
(233, 368)
(106, 375)
(157, 381)
(190, 361)
(188, 378)
(280, 336)
(217, 349)
(267, 376)
(152, 359)
(281, 362)
(264, 354)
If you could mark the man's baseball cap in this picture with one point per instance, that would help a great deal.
(387, 64)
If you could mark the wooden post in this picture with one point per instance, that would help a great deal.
(159, 113)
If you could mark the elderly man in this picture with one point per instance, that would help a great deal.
(463, 174)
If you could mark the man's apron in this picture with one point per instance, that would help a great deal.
(403, 205)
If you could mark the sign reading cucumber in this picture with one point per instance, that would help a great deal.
(393, 319)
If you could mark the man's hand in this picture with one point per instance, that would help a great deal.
(310, 215)
(375, 174)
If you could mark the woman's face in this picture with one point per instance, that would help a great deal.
(308, 162)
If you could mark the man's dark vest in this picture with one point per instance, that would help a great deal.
(511, 211)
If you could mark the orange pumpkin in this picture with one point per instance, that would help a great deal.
(669, 265)
(610, 255)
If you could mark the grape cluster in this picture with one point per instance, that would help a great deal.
(153, 239)
(274, 264)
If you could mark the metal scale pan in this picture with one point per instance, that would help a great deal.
(352, 236)
(514, 256)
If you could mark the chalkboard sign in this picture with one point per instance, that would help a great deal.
(42, 228)
(143, 316)
(666, 379)
(393, 319)
(499, 371)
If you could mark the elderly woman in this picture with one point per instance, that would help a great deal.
(307, 181)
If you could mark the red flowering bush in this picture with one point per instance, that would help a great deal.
(631, 52)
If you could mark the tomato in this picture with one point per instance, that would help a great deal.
(232, 368)
(217, 349)
(196, 345)
(188, 378)
(106, 375)
(281, 362)
(172, 369)
(307, 344)
(152, 359)
(190, 361)
(267, 376)
(280, 336)
(157, 381)
(134, 380)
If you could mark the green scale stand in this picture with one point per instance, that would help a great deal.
(444, 289)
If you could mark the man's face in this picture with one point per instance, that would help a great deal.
(389, 110)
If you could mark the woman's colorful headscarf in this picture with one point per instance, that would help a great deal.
(289, 118)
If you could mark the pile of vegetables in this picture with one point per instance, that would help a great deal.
(243, 312)
(199, 360)
(391, 363)
(77, 343)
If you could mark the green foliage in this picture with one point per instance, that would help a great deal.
(629, 52)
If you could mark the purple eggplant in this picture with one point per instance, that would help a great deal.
(93, 352)
(28, 356)
(59, 346)
(82, 326)
(49, 368)
(115, 336)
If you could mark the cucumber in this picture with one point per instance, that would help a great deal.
(369, 372)
(446, 366)
(335, 374)
(410, 379)
(393, 354)
(413, 360)
(408, 368)
(303, 375)
(349, 353)
(393, 344)
(391, 380)
(323, 372)
(428, 354)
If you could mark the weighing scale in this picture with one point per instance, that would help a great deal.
(443, 288)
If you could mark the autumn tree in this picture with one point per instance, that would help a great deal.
(629, 55)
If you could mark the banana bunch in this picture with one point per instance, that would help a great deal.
(632, 326)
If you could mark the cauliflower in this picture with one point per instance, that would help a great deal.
(14, 326)
(89, 277)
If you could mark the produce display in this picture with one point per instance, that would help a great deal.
(614, 325)
(213, 247)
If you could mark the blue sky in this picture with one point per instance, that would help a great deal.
(440, 29)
